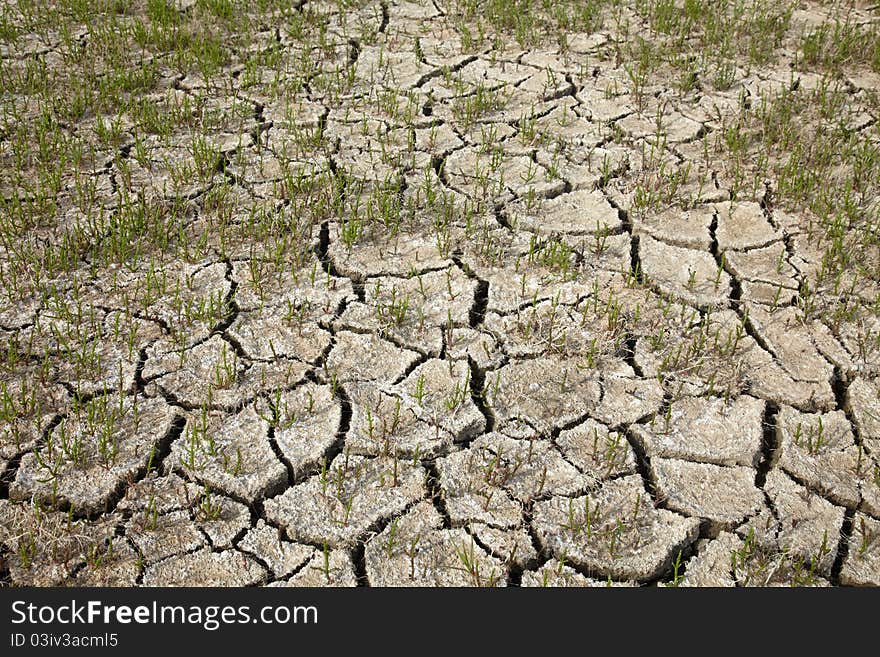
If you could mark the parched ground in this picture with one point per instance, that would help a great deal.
(436, 293)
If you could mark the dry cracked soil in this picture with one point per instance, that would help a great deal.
(418, 293)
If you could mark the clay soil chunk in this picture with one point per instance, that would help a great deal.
(596, 451)
(118, 566)
(554, 574)
(332, 568)
(383, 423)
(439, 392)
(230, 453)
(544, 392)
(206, 568)
(862, 564)
(281, 556)
(46, 548)
(221, 518)
(306, 422)
(357, 357)
(819, 450)
(338, 506)
(481, 483)
(711, 566)
(806, 527)
(94, 451)
(724, 496)
(627, 399)
(415, 551)
(580, 212)
(615, 531)
(707, 430)
(686, 274)
(863, 400)
(279, 332)
(743, 226)
(158, 536)
(683, 228)
(784, 334)
(204, 374)
(29, 409)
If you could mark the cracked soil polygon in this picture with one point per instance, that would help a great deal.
(614, 532)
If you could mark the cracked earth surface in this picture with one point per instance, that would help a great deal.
(369, 305)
